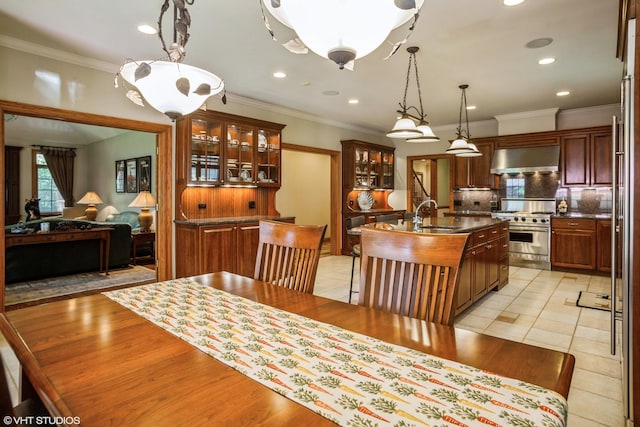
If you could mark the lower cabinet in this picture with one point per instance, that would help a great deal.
(229, 247)
(483, 265)
(603, 246)
(573, 243)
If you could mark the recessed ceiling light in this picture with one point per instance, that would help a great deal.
(279, 75)
(353, 101)
(563, 93)
(538, 43)
(471, 107)
(512, 2)
(147, 29)
(546, 61)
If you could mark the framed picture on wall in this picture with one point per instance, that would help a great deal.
(144, 173)
(132, 176)
(120, 176)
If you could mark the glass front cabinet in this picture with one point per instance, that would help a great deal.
(367, 166)
(218, 149)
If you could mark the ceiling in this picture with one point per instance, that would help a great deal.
(476, 42)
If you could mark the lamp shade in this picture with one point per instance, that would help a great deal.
(427, 134)
(474, 152)
(172, 88)
(458, 146)
(91, 198)
(144, 199)
(404, 128)
(354, 26)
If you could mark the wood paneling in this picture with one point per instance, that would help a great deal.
(223, 202)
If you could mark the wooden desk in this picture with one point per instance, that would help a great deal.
(92, 358)
(103, 234)
(140, 238)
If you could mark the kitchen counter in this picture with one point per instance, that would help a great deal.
(468, 213)
(442, 225)
(232, 220)
(583, 215)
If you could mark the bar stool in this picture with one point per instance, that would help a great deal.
(353, 222)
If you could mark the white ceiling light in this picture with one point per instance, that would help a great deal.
(512, 2)
(279, 75)
(341, 30)
(563, 93)
(173, 88)
(546, 61)
(147, 29)
(461, 146)
(405, 126)
(353, 101)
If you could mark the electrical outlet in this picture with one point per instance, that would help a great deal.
(476, 203)
(252, 204)
(202, 206)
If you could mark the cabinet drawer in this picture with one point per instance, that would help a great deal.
(483, 236)
(576, 224)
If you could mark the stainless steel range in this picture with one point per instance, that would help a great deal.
(529, 231)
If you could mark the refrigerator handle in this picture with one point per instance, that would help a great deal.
(614, 244)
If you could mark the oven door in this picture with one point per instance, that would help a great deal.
(529, 241)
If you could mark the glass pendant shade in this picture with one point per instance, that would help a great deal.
(160, 88)
(356, 27)
(458, 146)
(474, 152)
(404, 128)
(427, 134)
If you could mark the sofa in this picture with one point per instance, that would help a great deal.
(32, 262)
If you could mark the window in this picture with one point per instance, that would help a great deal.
(51, 201)
(515, 187)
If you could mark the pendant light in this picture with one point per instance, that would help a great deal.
(341, 30)
(461, 146)
(173, 88)
(405, 127)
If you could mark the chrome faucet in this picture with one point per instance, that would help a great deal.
(417, 220)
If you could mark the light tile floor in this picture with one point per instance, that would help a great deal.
(537, 307)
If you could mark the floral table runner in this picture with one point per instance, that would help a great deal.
(349, 378)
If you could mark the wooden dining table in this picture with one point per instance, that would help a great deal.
(94, 359)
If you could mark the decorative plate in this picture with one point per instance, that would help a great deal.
(365, 200)
(262, 176)
(245, 175)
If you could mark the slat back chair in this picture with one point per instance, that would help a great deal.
(288, 254)
(412, 274)
(352, 222)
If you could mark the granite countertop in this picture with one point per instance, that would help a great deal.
(370, 211)
(583, 215)
(448, 225)
(468, 213)
(229, 220)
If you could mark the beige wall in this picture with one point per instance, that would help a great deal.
(306, 188)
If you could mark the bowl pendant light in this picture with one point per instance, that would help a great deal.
(405, 127)
(461, 146)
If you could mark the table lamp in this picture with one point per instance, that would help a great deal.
(144, 200)
(91, 199)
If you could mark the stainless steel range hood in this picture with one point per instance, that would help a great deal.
(526, 159)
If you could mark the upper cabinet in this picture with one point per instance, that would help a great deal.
(367, 166)
(475, 171)
(216, 149)
(586, 158)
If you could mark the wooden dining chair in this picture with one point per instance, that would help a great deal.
(352, 222)
(412, 274)
(288, 254)
(31, 407)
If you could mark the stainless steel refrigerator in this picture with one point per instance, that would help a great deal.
(622, 231)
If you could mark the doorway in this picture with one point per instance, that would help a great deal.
(429, 176)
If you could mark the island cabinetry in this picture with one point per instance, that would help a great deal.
(228, 246)
(573, 243)
(503, 257)
(481, 267)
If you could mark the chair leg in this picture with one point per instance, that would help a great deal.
(353, 265)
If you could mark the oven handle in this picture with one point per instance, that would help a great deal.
(543, 229)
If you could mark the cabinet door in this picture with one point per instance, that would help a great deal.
(603, 242)
(461, 172)
(463, 293)
(239, 151)
(361, 166)
(574, 157)
(268, 164)
(187, 248)
(217, 248)
(573, 248)
(493, 263)
(481, 166)
(387, 170)
(601, 152)
(375, 169)
(247, 248)
(204, 151)
(480, 272)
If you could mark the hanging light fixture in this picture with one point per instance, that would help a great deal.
(406, 127)
(461, 146)
(168, 85)
(341, 30)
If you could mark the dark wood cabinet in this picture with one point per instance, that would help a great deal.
(12, 207)
(603, 249)
(586, 158)
(482, 267)
(230, 246)
(475, 171)
(573, 243)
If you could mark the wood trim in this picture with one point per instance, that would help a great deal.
(163, 172)
(335, 191)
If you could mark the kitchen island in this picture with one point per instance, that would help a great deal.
(485, 266)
